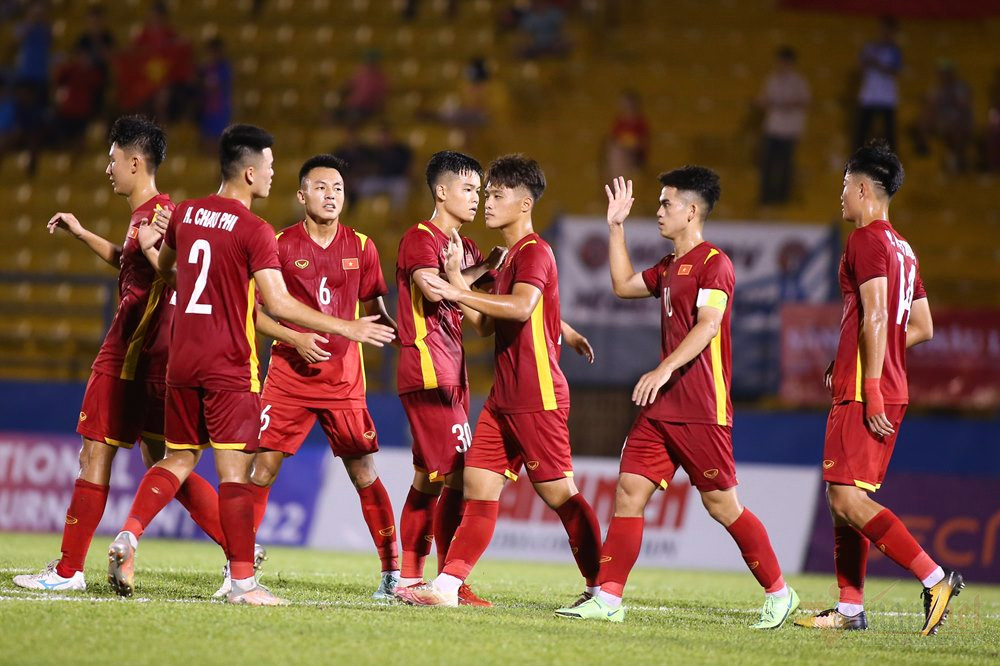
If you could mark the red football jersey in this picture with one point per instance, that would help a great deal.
(876, 250)
(699, 391)
(220, 244)
(432, 354)
(335, 280)
(527, 374)
(135, 346)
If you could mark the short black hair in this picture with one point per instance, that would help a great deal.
(877, 161)
(142, 135)
(517, 170)
(698, 179)
(237, 143)
(322, 161)
(449, 161)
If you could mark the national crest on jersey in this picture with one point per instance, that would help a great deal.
(336, 280)
(699, 391)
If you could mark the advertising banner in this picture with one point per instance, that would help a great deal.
(775, 263)
(958, 525)
(679, 532)
(958, 368)
(37, 473)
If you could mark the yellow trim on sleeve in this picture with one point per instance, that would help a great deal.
(510, 475)
(420, 329)
(252, 340)
(363, 238)
(711, 254)
(278, 235)
(569, 474)
(545, 384)
(717, 379)
(139, 335)
(663, 484)
(423, 227)
(866, 486)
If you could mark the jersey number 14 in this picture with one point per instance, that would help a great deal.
(906, 280)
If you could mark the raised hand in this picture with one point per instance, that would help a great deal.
(65, 221)
(367, 331)
(308, 347)
(454, 253)
(828, 378)
(496, 257)
(161, 218)
(649, 385)
(148, 235)
(619, 201)
(442, 288)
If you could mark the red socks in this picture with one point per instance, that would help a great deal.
(447, 518)
(889, 534)
(584, 536)
(82, 518)
(236, 511)
(850, 557)
(751, 537)
(472, 537)
(416, 532)
(377, 510)
(621, 550)
(198, 496)
(259, 494)
(157, 488)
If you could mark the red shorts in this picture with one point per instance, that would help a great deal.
(118, 411)
(539, 440)
(439, 423)
(285, 425)
(852, 455)
(655, 449)
(198, 418)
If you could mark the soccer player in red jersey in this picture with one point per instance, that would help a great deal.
(124, 397)
(215, 250)
(334, 269)
(885, 312)
(431, 375)
(687, 416)
(525, 418)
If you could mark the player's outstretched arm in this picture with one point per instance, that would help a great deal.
(460, 279)
(874, 332)
(705, 328)
(625, 282)
(102, 247)
(284, 306)
(306, 344)
(166, 265)
(517, 305)
(575, 341)
(376, 306)
(920, 327)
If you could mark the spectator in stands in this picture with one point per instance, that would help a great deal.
(543, 26)
(366, 92)
(360, 162)
(627, 145)
(30, 80)
(79, 84)
(947, 115)
(216, 78)
(481, 102)
(99, 43)
(881, 63)
(156, 74)
(783, 98)
(390, 170)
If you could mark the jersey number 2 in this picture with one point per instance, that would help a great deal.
(200, 249)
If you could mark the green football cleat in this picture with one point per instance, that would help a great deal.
(776, 610)
(593, 609)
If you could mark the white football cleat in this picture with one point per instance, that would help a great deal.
(50, 581)
(259, 555)
(387, 587)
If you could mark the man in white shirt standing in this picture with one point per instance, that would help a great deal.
(783, 98)
(881, 63)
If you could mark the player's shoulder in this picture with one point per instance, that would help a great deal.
(290, 235)
(354, 238)
(533, 246)
(712, 254)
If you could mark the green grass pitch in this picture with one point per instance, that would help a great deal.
(674, 617)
